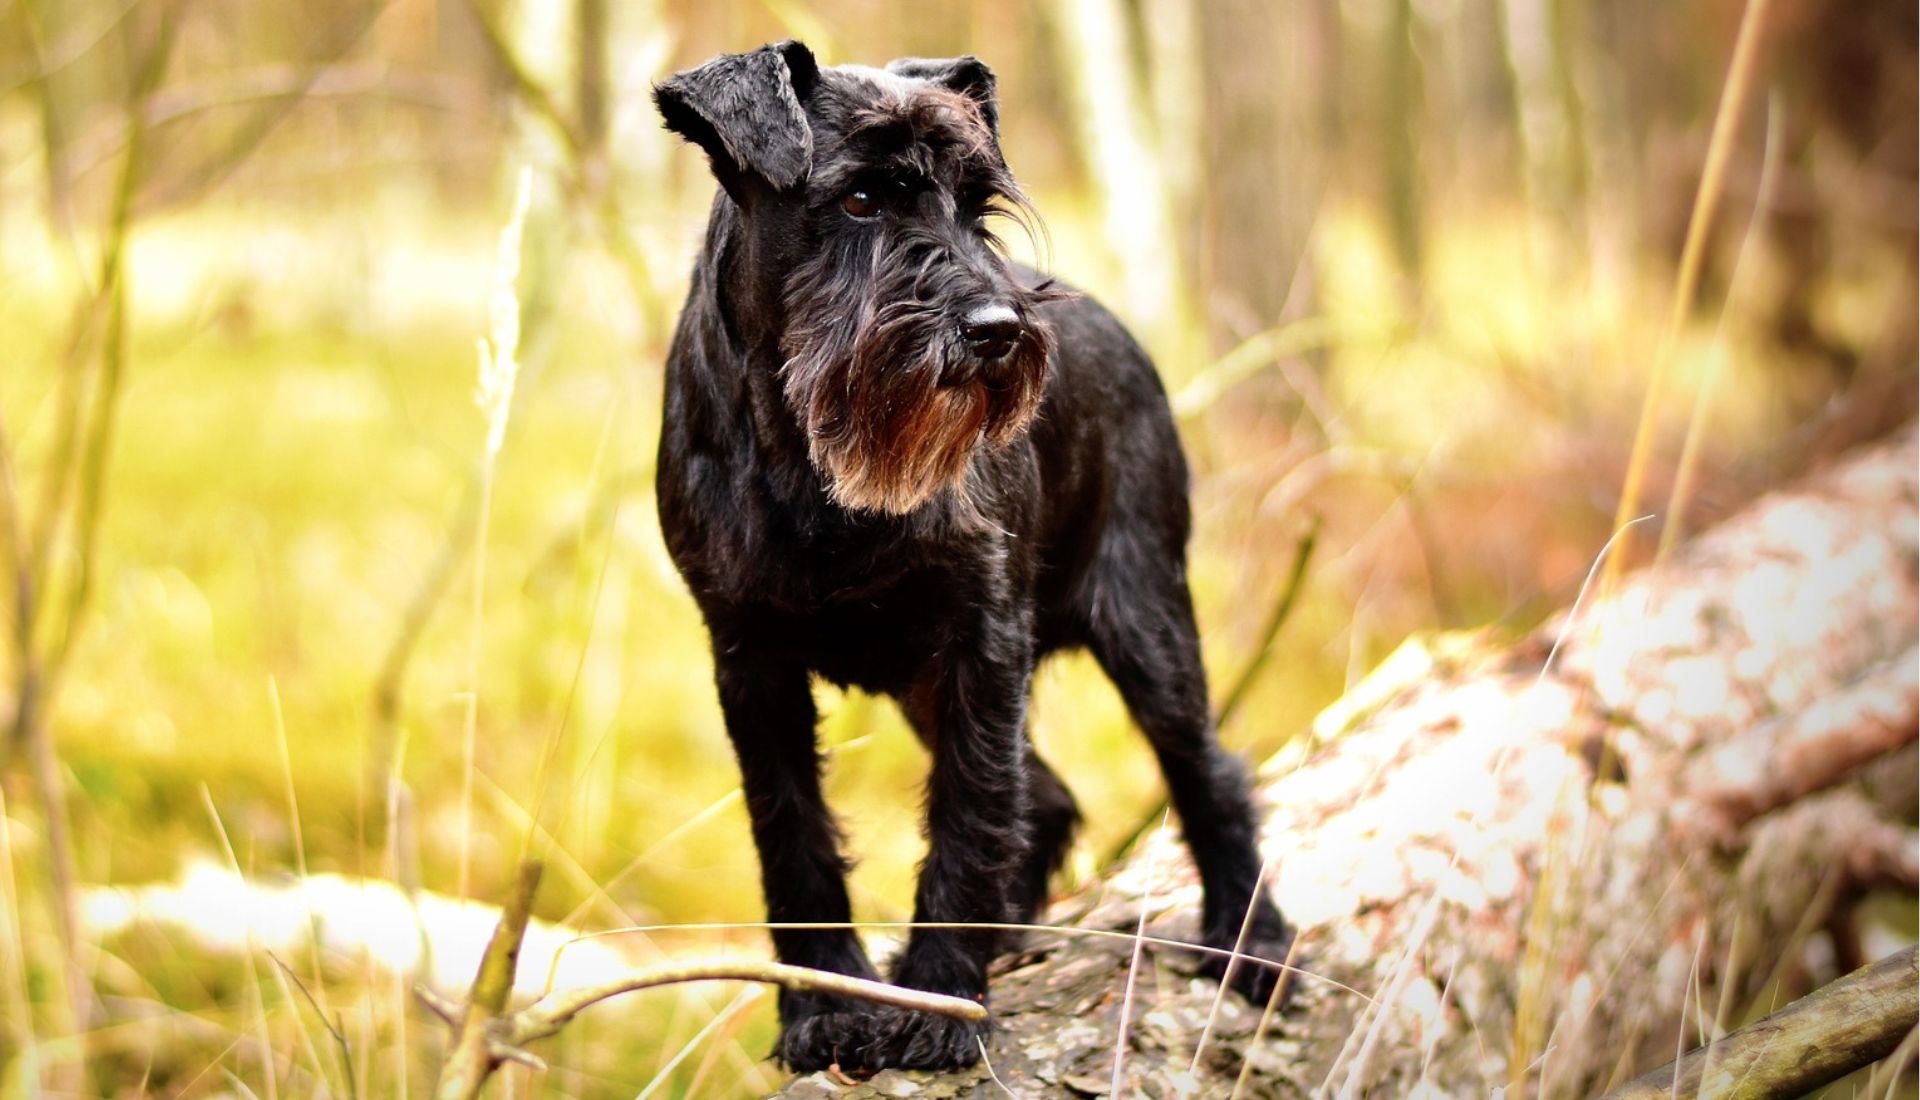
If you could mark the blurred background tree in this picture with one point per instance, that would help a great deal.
(1405, 266)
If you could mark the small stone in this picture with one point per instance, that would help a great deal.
(811, 1088)
(894, 1084)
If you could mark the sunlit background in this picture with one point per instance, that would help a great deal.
(1407, 267)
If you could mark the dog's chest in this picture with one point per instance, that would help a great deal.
(879, 645)
(857, 609)
(877, 630)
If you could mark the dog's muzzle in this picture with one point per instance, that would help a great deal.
(990, 333)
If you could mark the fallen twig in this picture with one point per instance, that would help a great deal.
(1276, 620)
(487, 1035)
(1820, 1038)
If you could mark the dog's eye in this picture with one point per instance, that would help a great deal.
(860, 203)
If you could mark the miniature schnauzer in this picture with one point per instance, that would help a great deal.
(895, 460)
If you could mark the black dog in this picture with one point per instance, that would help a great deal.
(893, 460)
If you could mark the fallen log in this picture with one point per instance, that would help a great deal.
(1536, 867)
(1818, 1039)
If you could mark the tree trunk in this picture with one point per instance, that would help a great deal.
(1544, 867)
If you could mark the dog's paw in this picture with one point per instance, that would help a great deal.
(881, 1038)
(1268, 939)
(812, 1042)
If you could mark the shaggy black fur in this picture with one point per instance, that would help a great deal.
(893, 460)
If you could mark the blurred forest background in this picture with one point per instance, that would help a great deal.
(1408, 268)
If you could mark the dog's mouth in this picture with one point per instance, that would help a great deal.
(997, 377)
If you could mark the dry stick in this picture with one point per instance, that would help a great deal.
(970, 926)
(545, 1017)
(1133, 968)
(473, 1056)
(1685, 471)
(1282, 611)
(38, 672)
(1818, 1039)
(583, 182)
(1726, 123)
(210, 173)
(488, 1035)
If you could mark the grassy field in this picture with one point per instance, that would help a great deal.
(297, 437)
(297, 445)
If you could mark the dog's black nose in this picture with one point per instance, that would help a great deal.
(991, 332)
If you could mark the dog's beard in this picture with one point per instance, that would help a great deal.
(864, 379)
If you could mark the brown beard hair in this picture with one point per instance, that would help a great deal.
(869, 335)
(885, 432)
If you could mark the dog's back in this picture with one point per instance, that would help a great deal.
(1111, 464)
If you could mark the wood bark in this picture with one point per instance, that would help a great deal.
(1541, 867)
(1827, 1034)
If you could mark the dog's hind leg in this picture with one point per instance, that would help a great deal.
(770, 719)
(1142, 632)
(1053, 817)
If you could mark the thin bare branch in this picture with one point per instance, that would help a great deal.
(1818, 1039)
(473, 1056)
(216, 168)
(530, 90)
(545, 1017)
(1706, 200)
(1276, 621)
(488, 1035)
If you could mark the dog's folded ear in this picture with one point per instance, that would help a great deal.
(745, 110)
(967, 75)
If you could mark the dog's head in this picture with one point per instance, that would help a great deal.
(865, 194)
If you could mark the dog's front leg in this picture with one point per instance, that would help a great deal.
(976, 819)
(971, 711)
(770, 719)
